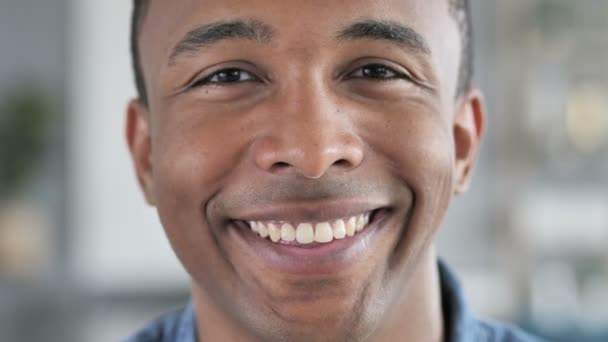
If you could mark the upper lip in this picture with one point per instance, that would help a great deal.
(319, 211)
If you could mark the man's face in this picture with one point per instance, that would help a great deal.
(298, 116)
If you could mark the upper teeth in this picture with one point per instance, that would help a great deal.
(305, 232)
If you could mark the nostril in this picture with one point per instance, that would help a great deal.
(342, 163)
(280, 165)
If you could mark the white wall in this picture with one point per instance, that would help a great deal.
(118, 241)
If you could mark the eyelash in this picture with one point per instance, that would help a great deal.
(252, 78)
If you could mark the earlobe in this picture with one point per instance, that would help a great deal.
(137, 131)
(469, 127)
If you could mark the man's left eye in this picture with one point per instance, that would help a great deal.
(377, 72)
(226, 76)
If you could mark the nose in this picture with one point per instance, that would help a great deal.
(309, 137)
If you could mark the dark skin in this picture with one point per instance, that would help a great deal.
(303, 123)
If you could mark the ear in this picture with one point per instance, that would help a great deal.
(469, 127)
(139, 140)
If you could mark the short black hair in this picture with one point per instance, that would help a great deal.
(461, 12)
(140, 8)
(459, 9)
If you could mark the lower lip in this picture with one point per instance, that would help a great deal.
(314, 259)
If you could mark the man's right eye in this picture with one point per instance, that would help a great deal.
(226, 77)
(378, 72)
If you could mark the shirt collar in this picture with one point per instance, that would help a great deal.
(460, 323)
(187, 331)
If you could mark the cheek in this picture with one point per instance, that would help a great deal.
(433, 160)
(193, 155)
(428, 159)
(418, 143)
(419, 147)
(191, 160)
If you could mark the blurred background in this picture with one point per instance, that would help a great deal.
(83, 259)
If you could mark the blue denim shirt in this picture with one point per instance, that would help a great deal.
(461, 324)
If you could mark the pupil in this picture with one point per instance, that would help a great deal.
(232, 75)
(375, 71)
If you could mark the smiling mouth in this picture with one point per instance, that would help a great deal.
(306, 248)
(310, 233)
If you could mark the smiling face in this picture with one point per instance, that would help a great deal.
(302, 155)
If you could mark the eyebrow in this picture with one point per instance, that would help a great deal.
(222, 30)
(386, 30)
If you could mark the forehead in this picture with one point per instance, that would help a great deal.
(174, 11)
(168, 19)
(305, 25)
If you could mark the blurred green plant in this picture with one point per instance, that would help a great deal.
(25, 116)
(553, 17)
